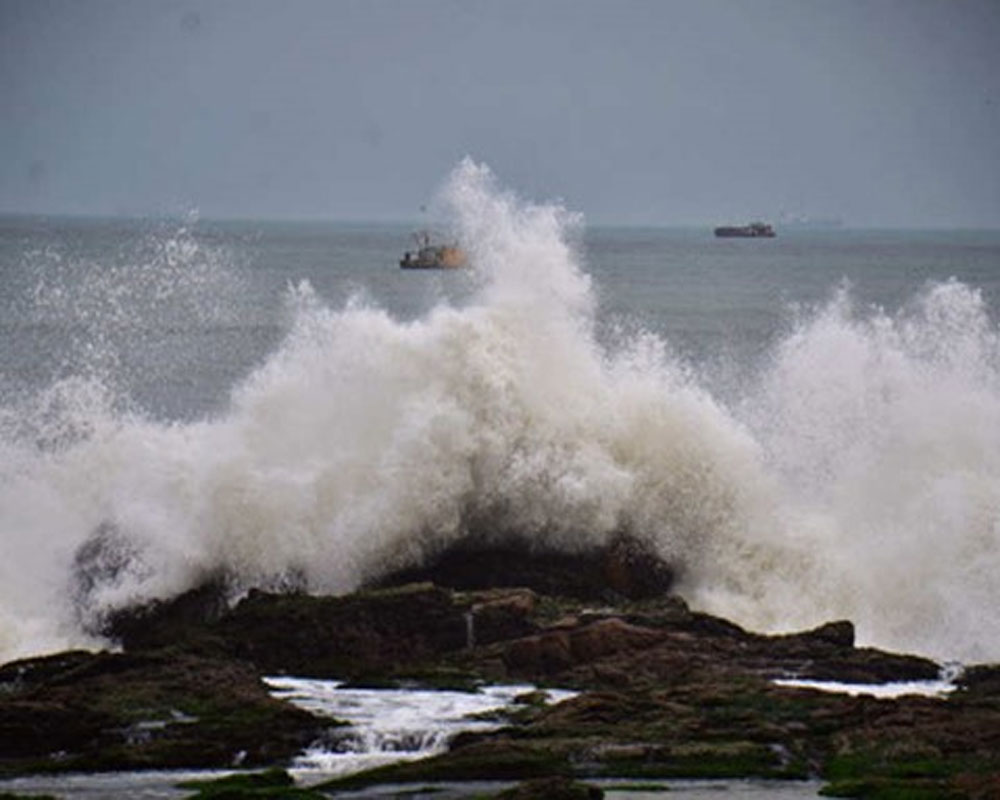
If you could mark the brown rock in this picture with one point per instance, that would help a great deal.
(560, 649)
(500, 614)
(542, 654)
(609, 636)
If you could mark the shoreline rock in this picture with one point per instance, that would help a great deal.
(666, 692)
(80, 711)
(627, 568)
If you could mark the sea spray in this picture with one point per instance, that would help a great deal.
(72, 444)
(855, 476)
(884, 434)
(118, 310)
(504, 414)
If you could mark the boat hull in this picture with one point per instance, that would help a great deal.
(439, 257)
(756, 231)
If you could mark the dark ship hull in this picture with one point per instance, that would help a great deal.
(755, 230)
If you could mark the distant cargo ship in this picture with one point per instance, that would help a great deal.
(752, 231)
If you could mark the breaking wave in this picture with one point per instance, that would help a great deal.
(857, 476)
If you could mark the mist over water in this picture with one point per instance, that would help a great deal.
(853, 473)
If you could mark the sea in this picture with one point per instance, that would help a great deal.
(807, 427)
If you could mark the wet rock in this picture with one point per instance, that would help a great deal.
(36, 728)
(665, 691)
(626, 568)
(499, 614)
(838, 634)
(828, 653)
(541, 655)
(163, 623)
(665, 639)
(561, 649)
(344, 637)
(606, 636)
(118, 711)
(15, 676)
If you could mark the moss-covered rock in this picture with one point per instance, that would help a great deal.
(665, 691)
(274, 784)
(12, 796)
(498, 759)
(165, 709)
(552, 788)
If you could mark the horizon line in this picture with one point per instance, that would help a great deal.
(195, 218)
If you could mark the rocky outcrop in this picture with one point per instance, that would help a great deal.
(661, 640)
(627, 568)
(164, 623)
(372, 633)
(87, 711)
(665, 691)
(350, 636)
(554, 651)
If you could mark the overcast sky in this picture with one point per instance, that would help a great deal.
(631, 111)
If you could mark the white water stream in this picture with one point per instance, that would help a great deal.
(388, 725)
(938, 688)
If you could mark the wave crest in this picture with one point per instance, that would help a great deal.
(855, 477)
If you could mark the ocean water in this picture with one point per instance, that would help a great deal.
(808, 427)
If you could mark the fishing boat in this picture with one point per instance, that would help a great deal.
(433, 256)
(752, 231)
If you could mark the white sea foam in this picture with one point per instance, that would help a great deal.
(884, 435)
(389, 725)
(891, 690)
(859, 477)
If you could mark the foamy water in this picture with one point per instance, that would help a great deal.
(940, 688)
(391, 725)
(856, 474)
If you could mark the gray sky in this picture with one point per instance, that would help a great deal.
(632, 111)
